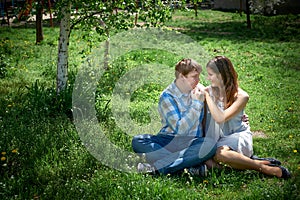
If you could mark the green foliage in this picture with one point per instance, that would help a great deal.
(108, 17)
(154, 13)
(45, 159)
(42, 99)
(145, 96)
(5, 51)
(265, 6)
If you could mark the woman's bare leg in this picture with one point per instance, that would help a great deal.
(211, 163)
(239, 161)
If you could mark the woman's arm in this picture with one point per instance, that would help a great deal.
(223, 116)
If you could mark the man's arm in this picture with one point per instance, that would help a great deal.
(180, 122)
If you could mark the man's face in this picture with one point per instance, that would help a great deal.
(192, 79)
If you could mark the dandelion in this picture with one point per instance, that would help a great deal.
(3, 153)
(3, 158)
(290, 136)
(299, 167)
(295, 151)
(14, 151)
(205, 181)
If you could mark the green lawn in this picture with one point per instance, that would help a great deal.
(43, 156)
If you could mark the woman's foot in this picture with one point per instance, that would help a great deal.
(272, 161)
(275, 170)
(285, 174)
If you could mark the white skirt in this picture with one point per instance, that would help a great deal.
(240, 142)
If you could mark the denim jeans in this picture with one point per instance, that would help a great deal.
(170, 154)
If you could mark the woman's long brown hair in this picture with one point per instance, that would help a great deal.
(229, 76)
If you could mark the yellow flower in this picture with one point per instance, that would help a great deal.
(295, 151)
(299, 167)
(3, 153)
(290, 136)
(14, 151)
(3, 158)
(205, 181)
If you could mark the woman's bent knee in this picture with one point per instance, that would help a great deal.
(221, 154)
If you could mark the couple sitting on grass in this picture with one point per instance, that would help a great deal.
(186, 107)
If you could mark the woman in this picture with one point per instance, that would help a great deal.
(226, 103)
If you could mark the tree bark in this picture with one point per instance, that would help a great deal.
(241, 7)
(248, 14)
(39, 22)
(6, 11)
(50, 13)
(62, 64)
(196, 8)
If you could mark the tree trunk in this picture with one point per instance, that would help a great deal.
(50, 13)
(62, 64)
(39, 21)
(196, 9)
(248, 14)
(241, 7)
(6, 11)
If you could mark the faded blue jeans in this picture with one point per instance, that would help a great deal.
(170, 154)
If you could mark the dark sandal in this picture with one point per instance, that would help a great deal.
(272, 161)
(285, 172)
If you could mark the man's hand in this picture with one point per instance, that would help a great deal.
(201, 87)
(197, 94)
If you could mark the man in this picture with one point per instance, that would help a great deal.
(180, 143)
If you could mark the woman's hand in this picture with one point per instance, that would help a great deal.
(198, 93)
(221, 116)
(201, 87)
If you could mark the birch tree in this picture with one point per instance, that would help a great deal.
(62, 63)
(103, 16)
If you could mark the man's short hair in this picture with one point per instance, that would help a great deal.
(186, 66)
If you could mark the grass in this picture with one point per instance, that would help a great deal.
(43, 156)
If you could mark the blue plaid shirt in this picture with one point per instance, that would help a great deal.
(180, 114)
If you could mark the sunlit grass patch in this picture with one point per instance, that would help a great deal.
(42, 155)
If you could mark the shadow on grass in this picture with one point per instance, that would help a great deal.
(267, 32)
(238, 32)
